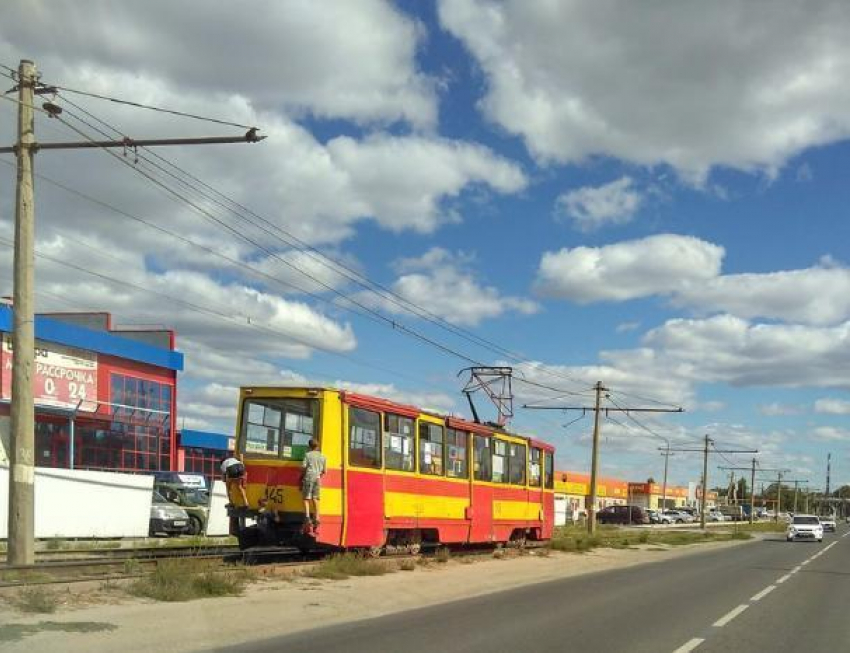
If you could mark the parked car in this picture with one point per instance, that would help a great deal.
(828, 524)
(804, 527)
(622, 515)
(658, 517)
(195, 501)
(716, 515)
(166, 517)
(679, 516)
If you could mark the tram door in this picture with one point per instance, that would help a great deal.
(482, 491)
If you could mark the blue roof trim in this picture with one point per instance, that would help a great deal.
(101, 342)
(203, 439)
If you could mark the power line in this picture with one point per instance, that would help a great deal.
(336, 266)
(140, 105)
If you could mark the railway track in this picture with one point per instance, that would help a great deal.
(128, 567)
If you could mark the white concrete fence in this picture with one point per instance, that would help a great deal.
(86, 504)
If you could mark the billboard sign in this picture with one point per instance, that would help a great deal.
(64, 377)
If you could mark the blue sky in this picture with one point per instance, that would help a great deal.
(647, 196)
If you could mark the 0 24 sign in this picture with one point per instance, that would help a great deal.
(64, 377)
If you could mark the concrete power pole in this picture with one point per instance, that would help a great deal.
(828, 470)
(778, 496)
(594, 460)
(22, 459)
(753, 492)
(666, 453)
(21, 514)
(704, 483)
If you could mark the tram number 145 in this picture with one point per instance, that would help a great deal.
(273, 494)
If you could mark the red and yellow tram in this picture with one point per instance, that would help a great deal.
(397, 476)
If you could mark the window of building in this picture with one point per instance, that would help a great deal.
(138, 437)
(278, 427)
(457, 443)
(517, 464)
(535, 468)
(500, 461)
(430, 448)
(482, 458)
(548, 471)
(200, 460)
(364, 440)
(398, 442)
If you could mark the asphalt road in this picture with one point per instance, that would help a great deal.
(760, 596)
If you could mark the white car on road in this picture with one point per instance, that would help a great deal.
(804, 527)
(828, 523)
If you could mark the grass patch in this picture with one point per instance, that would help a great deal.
(576, 540)
(36, 599)
(407, 565)
(16, 632)
(344, 565)
(443, 555)
(184, 580)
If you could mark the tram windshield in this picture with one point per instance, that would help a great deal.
(278, 427)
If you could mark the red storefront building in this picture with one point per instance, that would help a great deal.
(105, 397)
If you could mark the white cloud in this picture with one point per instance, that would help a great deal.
(592, 207)
(442, 283)
(694, 85)
(776, 409)
(324, 58)
(816, 296)
(625, 327)
(832, 406)
(660, 264)
(688, 271)
(730, 350)
(831, 434)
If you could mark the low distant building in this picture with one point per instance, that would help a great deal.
(653, 496)
(572, 494)
(201, 452)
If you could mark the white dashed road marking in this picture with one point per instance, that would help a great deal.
(729, 616)
(690, 645)
(767, 590)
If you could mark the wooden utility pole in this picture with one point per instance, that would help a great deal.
(22, 459)
(21, 515)
(594, 456)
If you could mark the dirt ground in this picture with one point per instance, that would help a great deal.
(109, 620)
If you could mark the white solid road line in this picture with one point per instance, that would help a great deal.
(729, 616)
(767, 590)
(783, 579)
(690, 645)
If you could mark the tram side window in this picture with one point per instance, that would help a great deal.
(430, 449)
(549, 471)
(517, 464)
(535, 469)
(398, 443)
(500, 461)
(364, 441)
(482, 460)
(456, 446)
